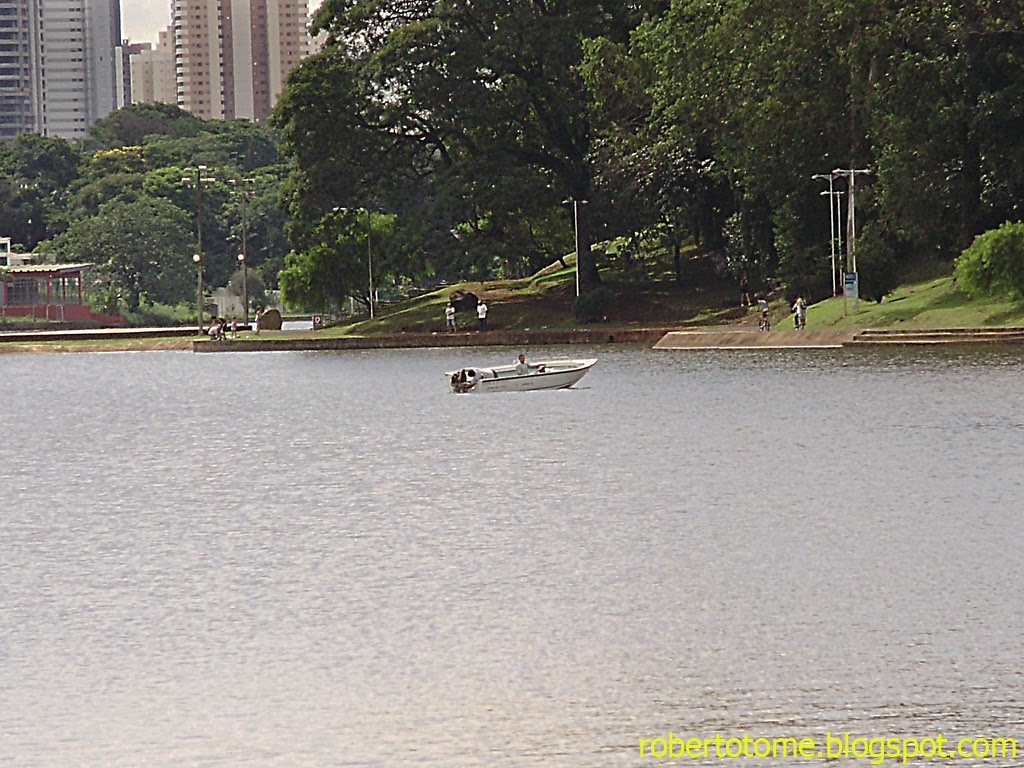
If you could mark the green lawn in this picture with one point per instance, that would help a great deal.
(930, 303)
(646, 295)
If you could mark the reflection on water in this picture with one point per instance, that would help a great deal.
(327, 559)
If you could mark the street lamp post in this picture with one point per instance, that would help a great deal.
(198, 259)
(837, 218)
(245, 285)
(832, 226)
(369, 257)
(576, 235)
(199, 179)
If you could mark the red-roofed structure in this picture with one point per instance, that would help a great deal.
(49, 292)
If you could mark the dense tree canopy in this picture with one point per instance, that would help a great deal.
(474, 128)
(141, 246)
(691, 119)
(56, 195)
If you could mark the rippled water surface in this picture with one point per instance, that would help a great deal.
(327, 560)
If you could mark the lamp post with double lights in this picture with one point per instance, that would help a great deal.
(198, 178)
(831, 224)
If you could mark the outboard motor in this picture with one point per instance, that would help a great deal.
(465, 379)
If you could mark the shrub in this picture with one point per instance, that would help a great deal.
(994, 263)
(593, 305)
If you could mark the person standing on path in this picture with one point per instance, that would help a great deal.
(481, 315)
(800, 313)
(764, 324)
(744, 292)
(449, 318)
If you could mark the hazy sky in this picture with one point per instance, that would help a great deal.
(141, 20)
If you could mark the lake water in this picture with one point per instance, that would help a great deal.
(326, 559)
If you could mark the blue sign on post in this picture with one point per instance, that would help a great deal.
(851, 289)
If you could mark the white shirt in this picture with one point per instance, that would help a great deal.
(522, 369)
(481, 310)
(449, 312)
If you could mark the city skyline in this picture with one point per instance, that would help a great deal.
(142, 20)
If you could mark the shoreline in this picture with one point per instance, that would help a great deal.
(184, 339)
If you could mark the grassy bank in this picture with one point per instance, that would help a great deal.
(647, 295)
(929, 303)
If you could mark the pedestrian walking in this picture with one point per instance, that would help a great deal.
(449, 318)
(481, 315)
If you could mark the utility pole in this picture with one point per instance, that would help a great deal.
(198, 179)
(851, 229)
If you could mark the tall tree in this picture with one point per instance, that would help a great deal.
(142, 247)
(450, 91)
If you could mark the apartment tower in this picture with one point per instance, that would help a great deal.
(58, 65)
(232, 56)
(152, 72)
(20, 84)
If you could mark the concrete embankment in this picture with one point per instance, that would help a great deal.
(834, 339)
(141, 339)
(284, 343)
(742, 339)
(879, 337)
(96, 334)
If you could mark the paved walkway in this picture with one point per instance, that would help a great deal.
(286, 341)
(755, 339)
(661, 338)
(834, 339)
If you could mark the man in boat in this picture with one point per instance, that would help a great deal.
(523, 368)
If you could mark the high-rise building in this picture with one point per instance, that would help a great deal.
(79, 63)
(232, 57)
(152, 73)
(57, 65)
(20, 87)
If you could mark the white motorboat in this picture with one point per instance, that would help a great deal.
(543, 374)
